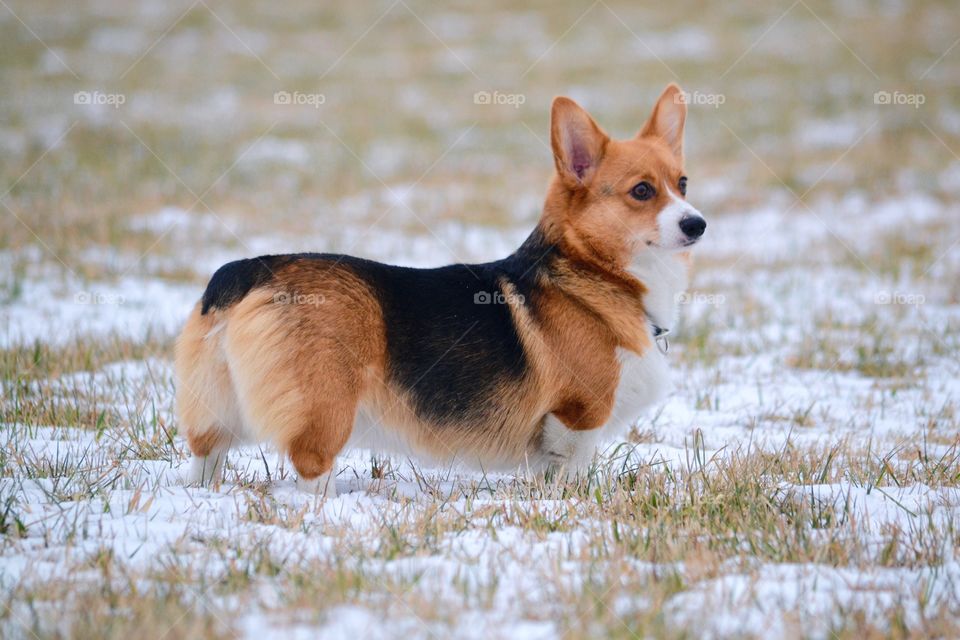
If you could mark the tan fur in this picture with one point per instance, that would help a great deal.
(293, 362)
(206, 400)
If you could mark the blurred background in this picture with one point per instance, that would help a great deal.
(156, 140)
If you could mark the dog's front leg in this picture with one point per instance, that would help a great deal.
(564, 450)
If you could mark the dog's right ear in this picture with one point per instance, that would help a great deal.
(578, 143)
(666, 121)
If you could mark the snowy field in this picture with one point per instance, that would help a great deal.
(802, 479)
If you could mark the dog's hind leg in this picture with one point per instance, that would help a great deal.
(314, 449)
(206, 465)
(300, 370)
(324, 484)
(207, 410)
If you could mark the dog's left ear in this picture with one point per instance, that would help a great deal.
(666, 121)
(578, 143)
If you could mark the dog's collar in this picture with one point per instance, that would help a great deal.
(660, 335)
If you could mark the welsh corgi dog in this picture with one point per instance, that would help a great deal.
(521, 363)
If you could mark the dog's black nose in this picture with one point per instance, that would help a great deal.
(693, 226)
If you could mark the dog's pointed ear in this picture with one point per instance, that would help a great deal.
(666, 121)
(578, 143)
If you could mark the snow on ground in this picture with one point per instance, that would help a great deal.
(80, 491)
(63, 307)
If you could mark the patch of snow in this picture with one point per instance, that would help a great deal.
(272, 150)
(57, 309)
(829, 133)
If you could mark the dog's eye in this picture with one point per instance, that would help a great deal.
(643, 191)
(683, 185)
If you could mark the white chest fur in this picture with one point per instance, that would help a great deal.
(664, 275)
(643, 381)
(646, 379)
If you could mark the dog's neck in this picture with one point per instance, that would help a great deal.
(613, 294)
(664, 274)
(627, 298)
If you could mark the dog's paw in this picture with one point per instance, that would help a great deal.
(555, 460)
(323, 485)
(202, 471)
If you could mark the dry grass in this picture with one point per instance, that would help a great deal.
(650, 533)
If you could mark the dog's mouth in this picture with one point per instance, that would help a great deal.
(689, 242)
